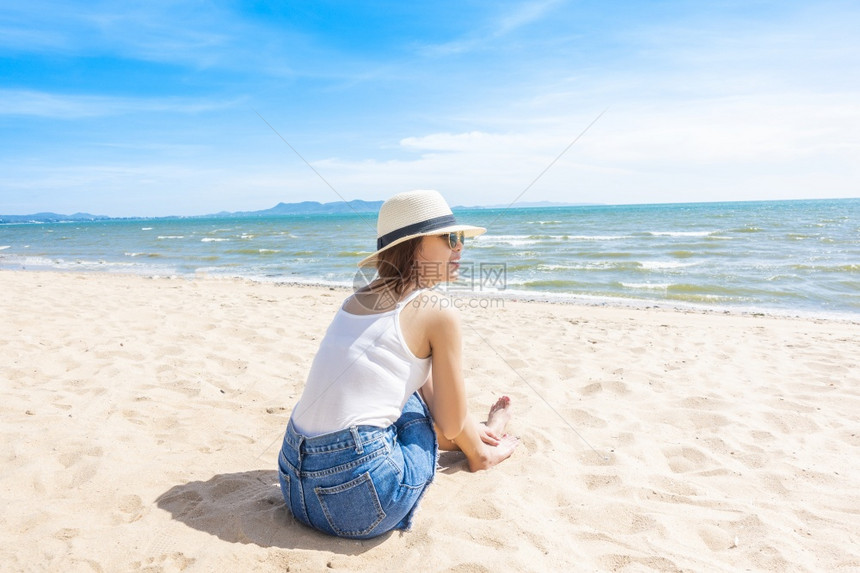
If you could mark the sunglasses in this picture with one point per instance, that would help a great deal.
(454, 238)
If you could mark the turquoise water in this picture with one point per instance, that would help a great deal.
(775, 255)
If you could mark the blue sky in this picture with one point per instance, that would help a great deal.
(151, 108)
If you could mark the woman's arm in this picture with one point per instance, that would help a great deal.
(447, 394)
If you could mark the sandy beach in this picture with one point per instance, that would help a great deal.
(141, 420)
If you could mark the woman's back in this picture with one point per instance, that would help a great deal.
(363, 373)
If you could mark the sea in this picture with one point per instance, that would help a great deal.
(782, 257)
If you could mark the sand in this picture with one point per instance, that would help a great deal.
(141, 420)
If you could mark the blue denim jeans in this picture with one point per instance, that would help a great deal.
(363, 481)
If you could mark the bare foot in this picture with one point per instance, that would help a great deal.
(499, 416)
(500, 446)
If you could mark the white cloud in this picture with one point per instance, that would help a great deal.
(742, 130)
(721, 149)
(522, 15)
(503, 24)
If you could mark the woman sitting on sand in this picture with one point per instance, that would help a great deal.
(386, 389)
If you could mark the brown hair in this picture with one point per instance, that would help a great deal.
(396, 268)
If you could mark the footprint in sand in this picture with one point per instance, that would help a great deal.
(596, 481)
(82, 464)
(176, 561)
(607, 385)
(131, 508)
(66, 533)
(592, 458)
(619, 562)
(684, 460)
(483, 510)
(581, 418)
(715, 537)
(468, 568)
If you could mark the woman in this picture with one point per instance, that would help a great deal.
(386, 389)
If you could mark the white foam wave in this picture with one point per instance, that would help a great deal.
(3, 247)
(658, 265)
(681, 233)
(543, 267)
(37, 262)
(598, 237)
(535, 239)
(146, 228)
(41, 262)
(647, 286)
(213, 240)
(512, 240)
(171, 236)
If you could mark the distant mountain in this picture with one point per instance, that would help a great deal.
(302, 208)
(50, 218)
(310, 207)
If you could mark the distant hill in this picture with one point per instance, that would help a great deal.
(310, 207)
(50, 218)
(302, 208)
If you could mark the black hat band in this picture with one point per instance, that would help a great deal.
(421, 227)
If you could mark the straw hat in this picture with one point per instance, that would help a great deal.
(415, 214)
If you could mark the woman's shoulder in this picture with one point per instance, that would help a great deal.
(434, 307)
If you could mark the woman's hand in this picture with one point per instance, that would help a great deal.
(487, 435)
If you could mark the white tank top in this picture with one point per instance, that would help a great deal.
(363, 374)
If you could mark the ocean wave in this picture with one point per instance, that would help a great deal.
(603, 255)
(213, 240)
(546, 267)
(58, 263)
(170, 237)
(546, 283)
(660, 265)
(4, 247)
(512, 240)
(615, 266)
(847, 268)
(680, 233)
(591, 266)
(731, 292)
(253, 251)
(598, 237)
(526, 240)
(147, 255)
(646, 286)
